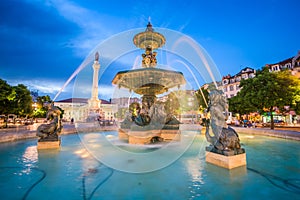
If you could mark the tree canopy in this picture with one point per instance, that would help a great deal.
(22, 103)
(7, 94)
(265, 92)
(41, 109)
(202, 97)
(17, 100)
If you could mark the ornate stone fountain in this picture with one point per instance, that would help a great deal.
(149, 122)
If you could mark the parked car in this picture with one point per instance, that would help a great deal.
(11, 118)
(2, 121)
(19, 121)
(276, 123)
(28, 121)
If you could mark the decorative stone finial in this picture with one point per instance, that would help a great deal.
(149, 27)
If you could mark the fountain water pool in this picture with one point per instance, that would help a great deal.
(273, 171)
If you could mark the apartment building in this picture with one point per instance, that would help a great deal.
(231, 83)
(292, 63)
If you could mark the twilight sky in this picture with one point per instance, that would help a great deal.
(42, 42)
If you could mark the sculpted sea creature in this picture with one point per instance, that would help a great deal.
(224, 138)
(51, 130)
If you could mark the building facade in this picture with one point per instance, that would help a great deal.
(79, 110)
(231, 84)
(124, 102)
(292, 64)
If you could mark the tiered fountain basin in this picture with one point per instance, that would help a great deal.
(149, 82)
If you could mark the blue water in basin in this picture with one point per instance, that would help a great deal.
(272, 172)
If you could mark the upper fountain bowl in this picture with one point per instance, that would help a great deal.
(149, 39)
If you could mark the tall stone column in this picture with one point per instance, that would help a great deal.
(94, 102)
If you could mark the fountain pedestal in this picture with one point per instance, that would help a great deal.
(49, 144)
(150, 136)
(226, 159)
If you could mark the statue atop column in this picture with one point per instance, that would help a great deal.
(97, 56)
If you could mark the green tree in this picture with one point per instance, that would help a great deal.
(265, 92)
(292, 94)
(172, 104)
(7, 94)
(242, 103)
(295, 104)
(42, 100)
(22, 103)
(202, 97)
(42, 108)
(39, 113)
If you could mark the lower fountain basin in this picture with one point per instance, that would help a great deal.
(272, 171)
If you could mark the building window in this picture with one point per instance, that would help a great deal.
(251, 75)
(231, 88)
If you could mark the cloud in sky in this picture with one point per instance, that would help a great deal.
(89, 23)
(42, 86)
(30, 42)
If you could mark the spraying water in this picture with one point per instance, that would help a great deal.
(195, 79)
(83, 65)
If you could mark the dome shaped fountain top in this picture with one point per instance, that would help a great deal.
(149, 38)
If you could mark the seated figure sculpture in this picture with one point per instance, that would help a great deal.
(142, 118)
(138, 116)
(50, 131)
(224, 140)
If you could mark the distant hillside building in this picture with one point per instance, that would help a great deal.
(231, 83)
(292, 63)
